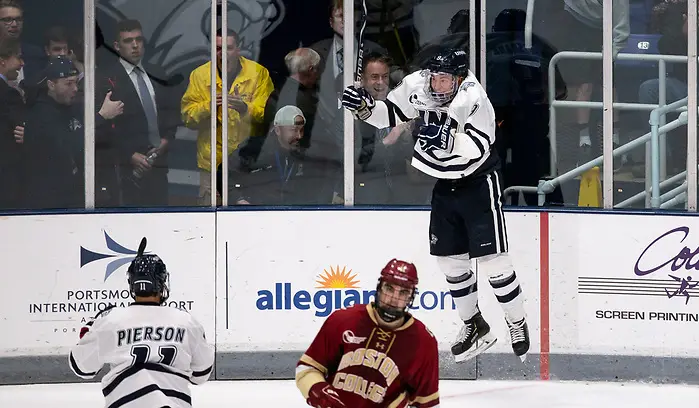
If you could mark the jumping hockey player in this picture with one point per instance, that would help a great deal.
(455, 145)
(154, 352)
(375, 355)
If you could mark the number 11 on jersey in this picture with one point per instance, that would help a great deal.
(141, 354)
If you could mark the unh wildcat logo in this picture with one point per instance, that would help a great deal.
(177, 31)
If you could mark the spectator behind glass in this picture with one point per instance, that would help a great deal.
(289, 124)
(375, 77)
(107, 191)
(300, 90)
(56, 41)
(288, 180)
(12, 113)
(54, 141)
(142, 135)
(381, 184)
(329, 118)
(249, 88)
(11, 26)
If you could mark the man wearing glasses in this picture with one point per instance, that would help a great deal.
(11, 26)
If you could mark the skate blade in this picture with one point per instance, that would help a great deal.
(523, 357)
(481, 346)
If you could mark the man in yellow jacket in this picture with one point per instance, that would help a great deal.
(250, 86)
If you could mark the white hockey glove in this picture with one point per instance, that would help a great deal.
(358, 101)
(439, 137)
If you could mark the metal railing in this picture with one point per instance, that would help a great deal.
(554, 104)
(646, 193)
(655, 157)
(548, 186)
(655, 153)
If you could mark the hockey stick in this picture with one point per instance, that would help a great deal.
(360, 50)
(142, 247)
(360, 54)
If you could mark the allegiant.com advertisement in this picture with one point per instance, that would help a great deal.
(336, 288)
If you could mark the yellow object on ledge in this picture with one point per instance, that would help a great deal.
(590, 194)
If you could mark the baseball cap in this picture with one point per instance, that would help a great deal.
(286, 116)
(59, 67)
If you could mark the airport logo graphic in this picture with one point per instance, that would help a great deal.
(122, 255)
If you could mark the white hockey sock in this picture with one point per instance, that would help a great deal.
(462, 283)
(464, 291)
(509, 295)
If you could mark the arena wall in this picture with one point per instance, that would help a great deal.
(608, 296)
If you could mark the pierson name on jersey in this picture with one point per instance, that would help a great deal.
(325, 301)
(149, 333)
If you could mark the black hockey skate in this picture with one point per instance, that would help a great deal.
(473, 339)
(519, 334)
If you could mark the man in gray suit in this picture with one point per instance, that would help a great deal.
(329, 114)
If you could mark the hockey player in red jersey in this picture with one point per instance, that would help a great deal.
(374, 355)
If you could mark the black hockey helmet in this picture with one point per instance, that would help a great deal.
(148, 276)
(448, 61)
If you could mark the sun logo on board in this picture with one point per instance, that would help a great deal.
(337, 279)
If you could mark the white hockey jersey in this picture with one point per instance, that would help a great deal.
(153, 352)
(470, 115)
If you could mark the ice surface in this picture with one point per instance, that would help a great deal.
(475, 394)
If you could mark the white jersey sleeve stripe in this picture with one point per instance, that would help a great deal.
(482, 134)
(146, 390)
(478, 142)
(108, 389)
(455, 169)
(393, 111)
(79, 372)
(460, 167)
(202, 372)
(200, 377)
(481, 138)
(432, 155)
(386, 114)
(380, 116)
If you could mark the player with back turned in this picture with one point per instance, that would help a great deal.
(455, 146)
(154, 352)
(374, 355)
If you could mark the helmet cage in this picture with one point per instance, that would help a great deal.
(440, 97)
(389, 313)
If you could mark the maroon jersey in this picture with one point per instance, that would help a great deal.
(373, 367)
